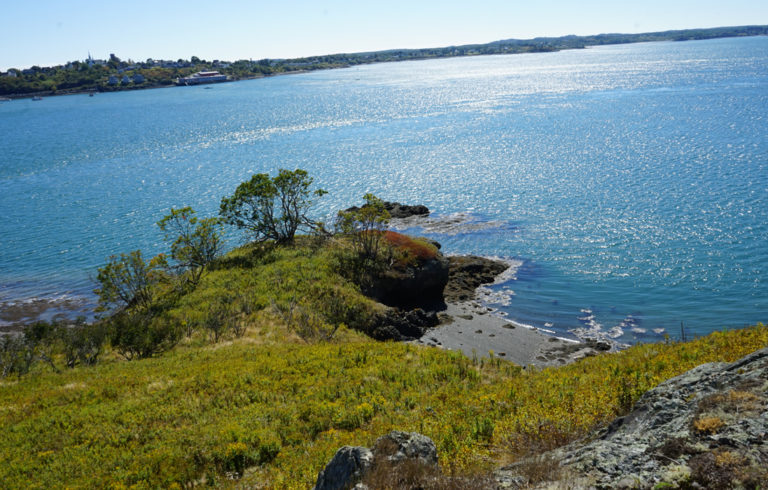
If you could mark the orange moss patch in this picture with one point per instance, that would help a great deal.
(708, 425)
(414, 248)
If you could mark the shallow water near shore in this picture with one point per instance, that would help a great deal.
(630, 183)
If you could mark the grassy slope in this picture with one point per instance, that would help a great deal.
(279, 407)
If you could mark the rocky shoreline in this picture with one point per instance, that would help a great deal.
(471, 327)
(436, 304)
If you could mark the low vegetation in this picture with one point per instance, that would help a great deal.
(270, 410)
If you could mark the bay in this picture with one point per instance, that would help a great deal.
(628, 184)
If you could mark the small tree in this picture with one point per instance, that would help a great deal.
(126, 280)
(272, 208)
(365, 226)
(16, 355)
(194, 243)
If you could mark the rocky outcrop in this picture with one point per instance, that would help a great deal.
(707, 428)
(351, 465)
(397, 324)
(399, 211)
(347, 467)
(415, 286)
(467, 272)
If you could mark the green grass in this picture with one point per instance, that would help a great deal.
(304, 278)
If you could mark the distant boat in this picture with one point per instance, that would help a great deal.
(4, 99)
(202, 77)
(90, 95)
(37, 97)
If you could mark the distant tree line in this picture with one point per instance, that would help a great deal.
(82, 76)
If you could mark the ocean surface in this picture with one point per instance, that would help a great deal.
(627, 184)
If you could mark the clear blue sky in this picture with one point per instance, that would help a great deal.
(50, 32)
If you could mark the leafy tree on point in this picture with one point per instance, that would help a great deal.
(272, 208)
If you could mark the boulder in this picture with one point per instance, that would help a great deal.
(350, 465)
(397, 324)
(347, 467)
(400, 446)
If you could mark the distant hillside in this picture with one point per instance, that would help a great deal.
(94, 75)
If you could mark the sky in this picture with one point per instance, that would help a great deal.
(51, 32)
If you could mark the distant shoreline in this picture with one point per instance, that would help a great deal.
(59, 93)
(269, 68)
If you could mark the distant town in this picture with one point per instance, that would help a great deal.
(98, 75)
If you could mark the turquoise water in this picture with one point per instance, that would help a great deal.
(629, 184)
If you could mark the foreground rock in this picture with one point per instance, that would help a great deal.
(707, 428)
(352, 465)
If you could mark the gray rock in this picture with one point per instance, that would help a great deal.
(467, 272)
(658, 440)
(398, 446)
(400, 211)
(348, 466)
(397, 324)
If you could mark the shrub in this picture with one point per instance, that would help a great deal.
(407, 250)
(127, 280)
(194, 243)
(16, 356)
(365, 225)
(83, 342)
(708, 425)
(137, 334)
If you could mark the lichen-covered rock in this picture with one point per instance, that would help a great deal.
(346, 468)
(398, 446)
(350, 464)
(707, 428)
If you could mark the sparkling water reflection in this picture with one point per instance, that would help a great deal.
(629, 182)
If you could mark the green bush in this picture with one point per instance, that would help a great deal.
(16, 355)
(83, 342)
(194, 243)
(138, 334)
